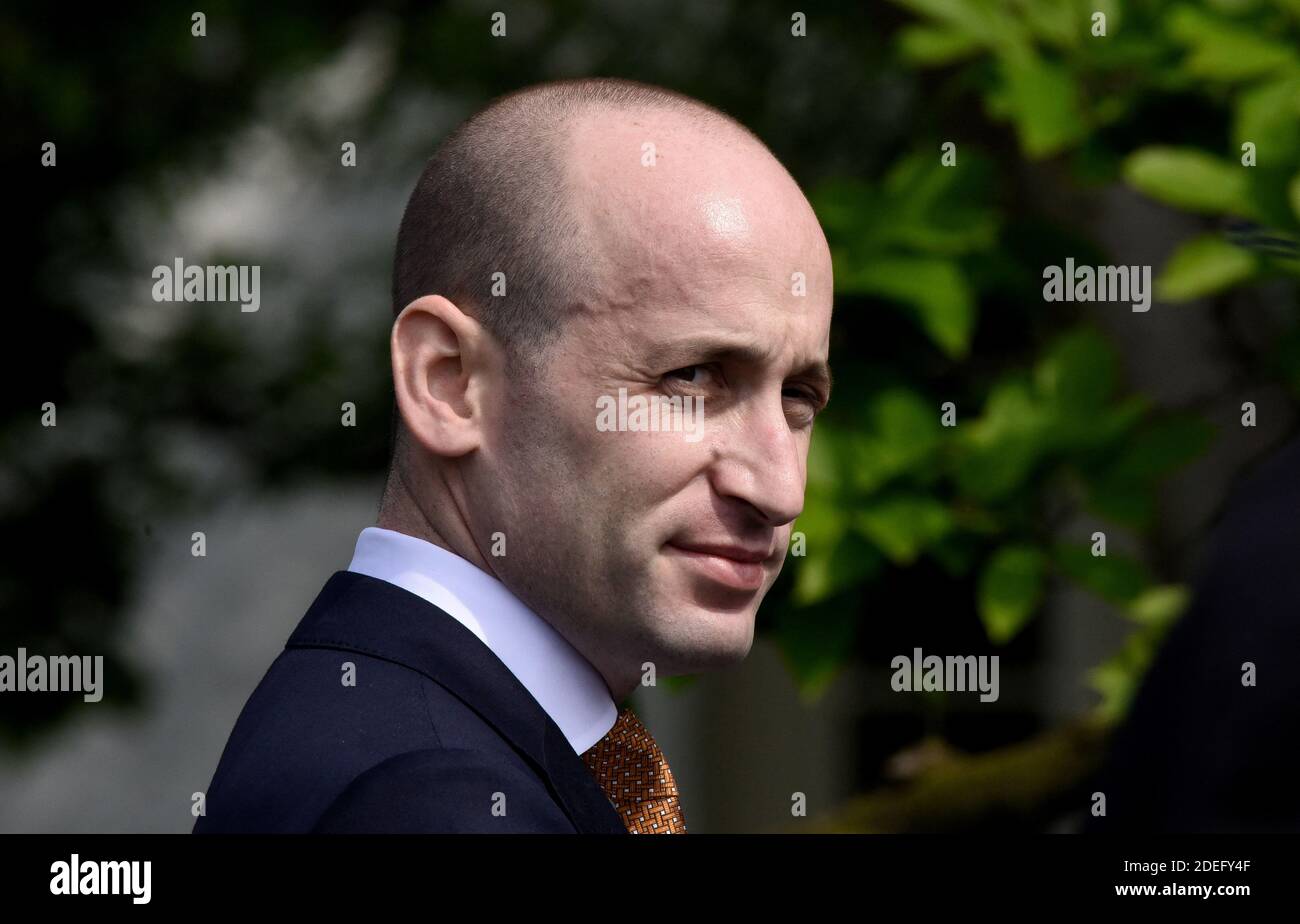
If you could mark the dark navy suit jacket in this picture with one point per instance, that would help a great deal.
(1198, 751)
(435, 727)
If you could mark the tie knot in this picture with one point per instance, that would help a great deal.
(633, 772)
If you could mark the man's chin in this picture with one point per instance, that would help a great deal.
(698, 624)
(704, 639)
(717, 654)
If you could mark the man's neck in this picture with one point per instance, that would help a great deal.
(401, 512)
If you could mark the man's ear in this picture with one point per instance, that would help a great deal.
(440, 366)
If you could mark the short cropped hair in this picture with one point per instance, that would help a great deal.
(496, 197)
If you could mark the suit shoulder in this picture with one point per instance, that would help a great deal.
(445, 791)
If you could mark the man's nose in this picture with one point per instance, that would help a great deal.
(758, 459)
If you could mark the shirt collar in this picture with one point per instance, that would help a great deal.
(563, 682)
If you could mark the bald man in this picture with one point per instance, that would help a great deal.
(613, 312)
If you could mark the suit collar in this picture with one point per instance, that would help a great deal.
(355, 612)
(563, 682)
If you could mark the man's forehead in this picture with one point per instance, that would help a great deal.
(749, 309)
(702, 233)
(652, 335)
(659, 186)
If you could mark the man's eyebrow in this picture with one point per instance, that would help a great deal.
(694, 350)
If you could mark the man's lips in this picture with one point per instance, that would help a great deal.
(737, 566)
(743, 553)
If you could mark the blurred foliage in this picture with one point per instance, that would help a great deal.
(1163, 103)
(915, 530)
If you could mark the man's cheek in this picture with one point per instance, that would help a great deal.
(785, 538)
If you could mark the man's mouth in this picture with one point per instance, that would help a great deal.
(736, 566)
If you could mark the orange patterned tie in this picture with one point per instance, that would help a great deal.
(634, 774)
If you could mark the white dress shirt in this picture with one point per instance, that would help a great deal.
(563, 682)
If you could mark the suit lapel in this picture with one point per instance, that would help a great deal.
(360, 613)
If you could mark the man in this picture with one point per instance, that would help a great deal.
(574, 246)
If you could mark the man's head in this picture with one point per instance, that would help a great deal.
(586, 243)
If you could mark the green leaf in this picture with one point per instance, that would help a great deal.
(834, 562)
(931, 46)
(1109, 424)
(1126, 502)
(1123, 488)
(999, 449)
(1042, 100)
(936, 209)
(900, 433)
(986, 23)
(1223, 51)
(1269, 198)
(1009, 590)
(1203, 266)
(1113, 577)
(824, 470)
(823, 524)
(1162, 446)
(1077, 379)
(935, 291)
(1189, 179)
(1056, 22)
(1269, 116)
(815, 642)
(1117, 683)
(1159, 606)
(1118, 678)
(904, 524)
(1079, 372)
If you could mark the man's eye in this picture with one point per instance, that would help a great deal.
(810, 405)
(687, 374)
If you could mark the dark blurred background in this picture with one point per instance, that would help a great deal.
(1072, 418)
